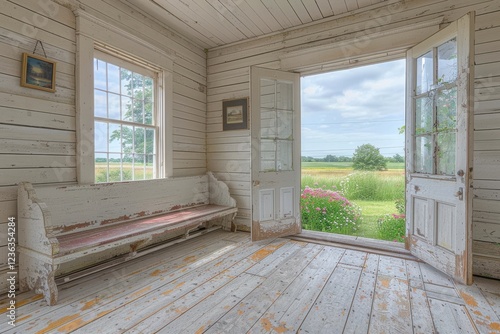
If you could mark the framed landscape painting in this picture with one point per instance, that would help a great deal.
(38, 73)
(235, 114)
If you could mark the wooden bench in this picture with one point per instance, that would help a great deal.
(85, 224)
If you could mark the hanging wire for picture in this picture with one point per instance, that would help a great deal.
(43, 49)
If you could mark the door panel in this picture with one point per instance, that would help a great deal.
(275, 129)
(439, 149)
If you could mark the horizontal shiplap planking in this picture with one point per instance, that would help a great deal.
(12, 48)
(22, 10)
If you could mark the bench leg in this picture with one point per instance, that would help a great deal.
(36, 274)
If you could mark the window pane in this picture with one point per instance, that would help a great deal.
(267, 123)
(150, 163)
(285, 125)
(267, 155)
(150, 141)
(284, 95)
(114, 139)
(126, 82)
(285, 151)
(127, 170)
(126, 108)
(100, 104)
(446, 143)
(148, 101)
(113, 78)
(447, 109)
(423, 154)
(424, 115)
(127, 139)
(101, 167)
(267, 93)
(139, 134)
(447, 62)
(99, 74)
(139, 166)
(115, 162)
(100, 137)
(425, 73)
(114, 106)
(138, 86)
(138, 111)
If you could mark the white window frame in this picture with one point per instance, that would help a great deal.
(153, 73)
(96, 34)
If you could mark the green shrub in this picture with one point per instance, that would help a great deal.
(371, 186)
(328, 211)
(392, 227)
(401, 204)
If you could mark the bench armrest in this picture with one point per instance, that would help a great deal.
(219, 192)
(33, 217)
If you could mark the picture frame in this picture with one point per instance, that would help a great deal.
(235, 114)
(38, 73)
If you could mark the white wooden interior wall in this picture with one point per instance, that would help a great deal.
(228, 77)
(37, 129)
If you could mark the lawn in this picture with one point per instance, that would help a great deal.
(374, 193)
(371, 211)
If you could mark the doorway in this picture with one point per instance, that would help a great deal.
(353, 148)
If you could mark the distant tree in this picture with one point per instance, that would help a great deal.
(368, 157)
(398, 158)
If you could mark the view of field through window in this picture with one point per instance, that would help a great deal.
(353, 171)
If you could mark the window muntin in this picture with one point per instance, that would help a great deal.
(125, 120)
(435, 126)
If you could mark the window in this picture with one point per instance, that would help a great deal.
(436, 110)
(125, 120)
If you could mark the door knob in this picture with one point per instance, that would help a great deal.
(461, 173)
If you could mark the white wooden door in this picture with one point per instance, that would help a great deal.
(275, 129)
(439, 149)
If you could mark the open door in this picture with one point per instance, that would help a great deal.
(275, 130)
(439, 149)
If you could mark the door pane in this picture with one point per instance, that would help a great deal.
(268, 124)
(447, 62)
(446, 147)
(425, 72)
(285, 125)
(447, 110)
(267, 155)
(423, 155)
(423, 117)
(284, 155)
(284, 95)
(267, 93)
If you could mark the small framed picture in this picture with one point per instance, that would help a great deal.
(235, 114)
(38, 73)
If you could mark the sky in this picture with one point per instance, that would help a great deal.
(345, 109)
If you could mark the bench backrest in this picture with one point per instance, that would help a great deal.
(71, 208)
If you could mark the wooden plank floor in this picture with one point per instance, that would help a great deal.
(223, 283)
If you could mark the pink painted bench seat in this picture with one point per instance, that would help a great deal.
(160, 224)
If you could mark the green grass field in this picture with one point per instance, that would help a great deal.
(374, 192)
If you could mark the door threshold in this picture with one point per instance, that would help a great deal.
(374, 246)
